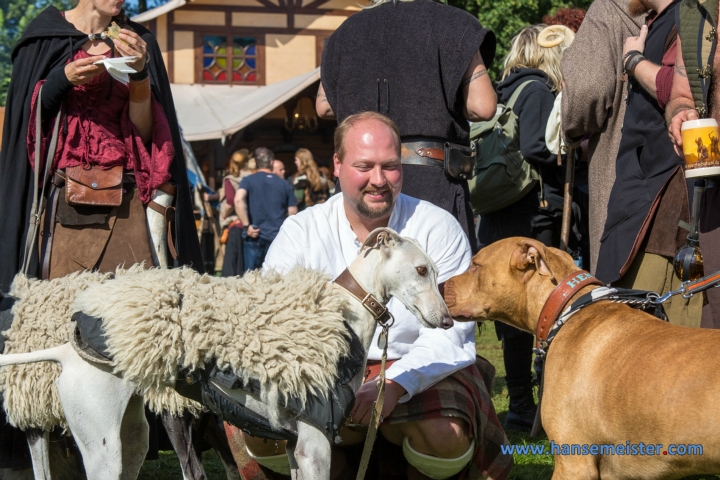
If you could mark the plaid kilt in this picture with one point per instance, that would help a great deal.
(464, 394)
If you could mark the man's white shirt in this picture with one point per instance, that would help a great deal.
(321, 238)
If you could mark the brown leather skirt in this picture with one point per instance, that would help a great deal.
(119, 239)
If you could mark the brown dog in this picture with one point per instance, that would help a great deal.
(613, 375)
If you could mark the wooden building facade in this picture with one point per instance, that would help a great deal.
(252, 42)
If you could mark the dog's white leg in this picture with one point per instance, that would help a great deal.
(294, 470)
(94, 401)
(312, 453)
(39, 443)
(134, 435)
(180, 432)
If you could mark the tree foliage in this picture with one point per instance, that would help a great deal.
(15, 15)
(507, 17)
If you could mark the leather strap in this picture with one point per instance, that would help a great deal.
(435, 153)
(372, 304)
(383, 316)
(372, 368)
(39, 184)
(169, 214)
(49, 231)
(168, 188)
(558, 299)
(427, 153)
(375, 419)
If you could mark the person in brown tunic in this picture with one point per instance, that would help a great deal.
(593, 101)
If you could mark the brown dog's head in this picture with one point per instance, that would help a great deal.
(509, 281)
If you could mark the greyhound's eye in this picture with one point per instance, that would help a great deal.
(421, 270)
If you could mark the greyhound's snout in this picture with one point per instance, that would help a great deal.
(447, 322)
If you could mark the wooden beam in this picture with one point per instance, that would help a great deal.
(268, 3)
(315, 3)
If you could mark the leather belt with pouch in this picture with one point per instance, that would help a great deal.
(94, 185)
(458, 161)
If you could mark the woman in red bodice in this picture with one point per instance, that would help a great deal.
(112, 136)
(121, 140)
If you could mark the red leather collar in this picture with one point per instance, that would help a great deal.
(558, 299)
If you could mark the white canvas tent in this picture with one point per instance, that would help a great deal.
(208, 112)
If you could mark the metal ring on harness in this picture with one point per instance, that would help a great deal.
(384, 323)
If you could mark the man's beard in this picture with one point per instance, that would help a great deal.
(364, 209)
(638, 7)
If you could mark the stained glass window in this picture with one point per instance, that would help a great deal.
(229, 59)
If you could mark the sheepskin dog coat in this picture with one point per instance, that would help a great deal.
(42, 319)
(285, 331)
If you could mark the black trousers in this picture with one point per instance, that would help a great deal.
(233, 263)
(518, 220)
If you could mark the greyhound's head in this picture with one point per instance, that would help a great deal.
(393, 266)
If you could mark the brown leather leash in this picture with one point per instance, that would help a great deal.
(385, 319)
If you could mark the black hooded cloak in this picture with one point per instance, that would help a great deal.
(48, 42)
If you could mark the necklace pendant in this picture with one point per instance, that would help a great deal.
(103, 35)
(91, 36)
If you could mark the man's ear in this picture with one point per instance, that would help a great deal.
(336, 165)
(382, 238)
(531, 253)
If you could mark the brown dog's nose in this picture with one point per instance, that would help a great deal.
(447, 322)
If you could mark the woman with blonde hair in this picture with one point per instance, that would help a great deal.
(310, 186)
(533, 64)
(238, 167)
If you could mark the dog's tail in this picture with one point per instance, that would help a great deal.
(54, 354)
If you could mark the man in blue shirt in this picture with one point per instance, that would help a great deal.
(262, 202)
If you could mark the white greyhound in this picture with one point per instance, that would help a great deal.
(107, 420)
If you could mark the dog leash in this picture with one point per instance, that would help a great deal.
(638, 299)
(386, 320)
(690, 288)
(376, 417)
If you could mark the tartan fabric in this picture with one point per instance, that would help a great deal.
(465, 394)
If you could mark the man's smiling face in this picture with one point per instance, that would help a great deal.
(370, 173)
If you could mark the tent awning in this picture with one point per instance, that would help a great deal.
(157, 11)
(208, 112)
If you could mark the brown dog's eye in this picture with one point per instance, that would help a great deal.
(421, 270)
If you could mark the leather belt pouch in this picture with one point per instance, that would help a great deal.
(459, 161)
(94, 186)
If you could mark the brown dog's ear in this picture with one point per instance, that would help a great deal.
(531, 252)
(381, 238)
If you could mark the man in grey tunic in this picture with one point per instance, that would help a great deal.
(424, 65)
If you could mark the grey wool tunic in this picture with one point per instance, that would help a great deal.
(406, 60)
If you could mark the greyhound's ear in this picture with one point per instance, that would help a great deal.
(381, 238)
(531, 252)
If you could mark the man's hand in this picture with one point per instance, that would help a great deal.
(253, 232)
(684, 113)
(82, 70)
(636, 43)
(366, 396)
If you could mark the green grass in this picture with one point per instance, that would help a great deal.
(167, 467)
(527, 467)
